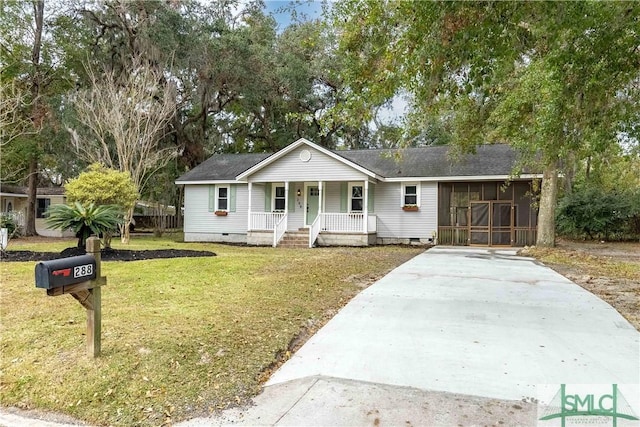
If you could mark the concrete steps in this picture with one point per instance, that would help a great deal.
(295, 239)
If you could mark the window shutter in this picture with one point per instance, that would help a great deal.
(212, 198)
(232, 198)
(372, 198)
(292, 197)
(344, 199)
(267, 197)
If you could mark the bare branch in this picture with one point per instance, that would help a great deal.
(127, 115)
(13, 123)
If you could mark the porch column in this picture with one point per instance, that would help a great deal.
(365, 208)
(249, 208)
(286, 205)
(319, 198)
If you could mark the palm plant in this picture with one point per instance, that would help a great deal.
(84, 220)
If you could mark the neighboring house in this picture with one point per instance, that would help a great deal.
(360, 197)
(13, 201)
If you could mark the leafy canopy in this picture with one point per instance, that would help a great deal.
(102, 186)
(556, 80)
(552, 76)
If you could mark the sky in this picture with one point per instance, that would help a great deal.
(281, 10)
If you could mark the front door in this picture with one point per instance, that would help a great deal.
(313, 199)
(501, 222)
(491, 223)
(479, 232)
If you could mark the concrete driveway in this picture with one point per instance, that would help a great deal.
(455, 336)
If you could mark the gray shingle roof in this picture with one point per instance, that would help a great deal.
(498, 159)
(223, 167)
(41, 191)
(435, 161)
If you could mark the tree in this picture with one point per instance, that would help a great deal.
(126, 118)
(554, 79)
(12, 122)
(84, 220)
(25, 57)
(102, 186)
(32, 79)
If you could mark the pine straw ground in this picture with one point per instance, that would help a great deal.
(610, 270)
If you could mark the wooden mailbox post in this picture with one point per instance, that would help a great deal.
(80, 277)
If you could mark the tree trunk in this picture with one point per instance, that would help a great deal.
(125, 236)
(36, 116)
(179, 216)
(569, 173)
(546, 215)
(32, 199)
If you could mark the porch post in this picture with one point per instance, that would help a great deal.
(365, 208)
(319, 198)
(286, 205)
(249, 209)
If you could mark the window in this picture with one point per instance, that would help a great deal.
(410, 195)
(357, 199)
(279, 199)
(222, 199)
(43, 205)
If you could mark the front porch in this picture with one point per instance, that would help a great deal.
(333, 213)
(327, 229)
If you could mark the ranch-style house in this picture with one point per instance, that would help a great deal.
(307, 193)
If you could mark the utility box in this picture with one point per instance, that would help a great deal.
(65, 271)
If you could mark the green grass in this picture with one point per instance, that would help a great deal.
(180, 337)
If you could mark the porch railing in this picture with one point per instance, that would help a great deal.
(265, 220)
(279, 230)
(453, 236)
(314, 230)
(17, 216)
(342, 222)
(459, 236)
(525, 236)
(327, 222)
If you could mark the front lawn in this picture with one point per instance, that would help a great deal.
(180, 337)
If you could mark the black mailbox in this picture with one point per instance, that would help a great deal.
(65, 271)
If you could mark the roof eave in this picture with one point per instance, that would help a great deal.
(13, 195)
(463, 178)
(207, 181)
(243, 176)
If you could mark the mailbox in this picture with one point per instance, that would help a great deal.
(65, 271)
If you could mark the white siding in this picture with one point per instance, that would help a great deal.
(393, 222)
(257, 198)
(320, 167)
(332, 197)
(198, 219)
(296, 218)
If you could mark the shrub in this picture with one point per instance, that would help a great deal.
(9, 222)
(84, 220)
(596, 213)
(103, 186)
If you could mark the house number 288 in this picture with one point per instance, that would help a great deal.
(83, 270)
